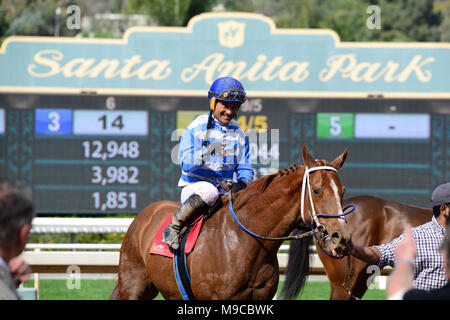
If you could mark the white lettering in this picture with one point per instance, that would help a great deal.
(348, 67)
(48, 64)
(214, 66)
(416, 66)
(298, 71)
(336, 63)
(209, 65)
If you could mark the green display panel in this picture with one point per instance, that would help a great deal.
(335, 125)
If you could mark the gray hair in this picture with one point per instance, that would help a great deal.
(16, 210)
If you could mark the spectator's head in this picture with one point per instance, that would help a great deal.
(440, 200)
(16, 214)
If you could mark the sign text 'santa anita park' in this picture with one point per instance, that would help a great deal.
(271, 62)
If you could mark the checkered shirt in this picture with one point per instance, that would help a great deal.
(429, 264)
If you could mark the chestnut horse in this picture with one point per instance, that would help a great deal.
(227, 262)
(374, 221)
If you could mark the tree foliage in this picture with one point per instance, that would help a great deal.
(169, 12)
(32, 17)
(445, 26)
(401, 20)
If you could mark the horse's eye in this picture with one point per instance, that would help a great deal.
(316, 191)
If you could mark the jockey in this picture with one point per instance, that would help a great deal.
(213, 151)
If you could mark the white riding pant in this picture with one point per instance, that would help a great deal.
(207, 191)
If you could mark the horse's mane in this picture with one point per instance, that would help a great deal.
(258, 186)
(255, 188)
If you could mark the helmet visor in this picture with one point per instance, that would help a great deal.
(230, 95)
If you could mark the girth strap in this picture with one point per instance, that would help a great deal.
(180, 269)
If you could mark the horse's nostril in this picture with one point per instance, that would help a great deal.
(335, 238)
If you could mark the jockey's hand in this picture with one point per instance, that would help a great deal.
(215, 148)
(226, 185)
(238, 186)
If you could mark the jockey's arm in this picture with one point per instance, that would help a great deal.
(190, 155)
(244, 168)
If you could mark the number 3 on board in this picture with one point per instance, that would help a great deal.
(53, 121)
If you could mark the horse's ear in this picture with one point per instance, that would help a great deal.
(339, 161)
(308, 159)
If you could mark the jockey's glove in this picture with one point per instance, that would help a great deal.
(215, 148)
(237, 186)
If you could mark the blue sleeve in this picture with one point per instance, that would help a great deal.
(190, 153)
(244, 167)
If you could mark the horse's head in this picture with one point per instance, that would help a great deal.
(322, 198)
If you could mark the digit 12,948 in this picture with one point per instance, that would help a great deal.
(97, 149)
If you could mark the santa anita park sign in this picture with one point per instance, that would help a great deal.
(186, 60)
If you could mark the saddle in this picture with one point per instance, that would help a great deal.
(161, 248)
(192, 232)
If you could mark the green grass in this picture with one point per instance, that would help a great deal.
(89, 290)
(101, 289)
(318, 290)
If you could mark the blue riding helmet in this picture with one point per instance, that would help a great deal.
(227, 89)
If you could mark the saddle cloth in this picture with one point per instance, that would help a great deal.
(161, 248)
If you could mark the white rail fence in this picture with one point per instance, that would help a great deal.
(96, 257)
(104, 258)
(101, 258)
(89, 257)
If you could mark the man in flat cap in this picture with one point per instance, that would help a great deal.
(441, 202)
(428, 263)
(401, 282)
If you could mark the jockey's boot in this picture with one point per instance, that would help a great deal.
(186, 213)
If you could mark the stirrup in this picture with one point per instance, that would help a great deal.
(171, 238)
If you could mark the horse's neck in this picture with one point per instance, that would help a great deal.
(274, 211)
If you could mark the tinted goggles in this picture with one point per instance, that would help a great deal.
(230, 95)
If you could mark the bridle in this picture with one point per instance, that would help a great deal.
(307, 186)
(318, 228)
(315, 219)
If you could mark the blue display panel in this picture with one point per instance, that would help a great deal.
(53, 121)
(90, 161)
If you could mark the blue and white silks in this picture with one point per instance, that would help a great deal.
(226, 152)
